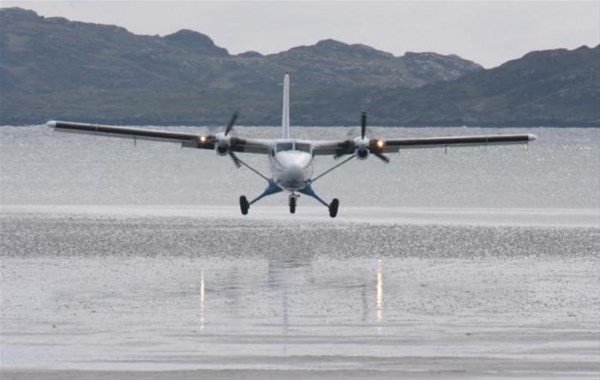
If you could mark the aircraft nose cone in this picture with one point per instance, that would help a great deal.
(294, 173)
(294, 168)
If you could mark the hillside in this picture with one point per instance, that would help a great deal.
(53, 68)
(555, 87)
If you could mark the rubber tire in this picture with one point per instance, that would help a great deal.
(333, 207)
(292, 205)
(244, 205)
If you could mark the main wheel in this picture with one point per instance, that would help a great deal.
(292, 205)
(244, 205)
(333, 207)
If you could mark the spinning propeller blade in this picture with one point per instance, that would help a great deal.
(236, 160)
(231, 123)
(381, 157)
(363, 124)
(373, 148)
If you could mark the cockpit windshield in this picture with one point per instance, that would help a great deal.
(282, 147)
(303, 147)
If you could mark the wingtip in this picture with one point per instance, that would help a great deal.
(532, 137)
(51, 124)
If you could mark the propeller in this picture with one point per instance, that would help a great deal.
(231, 123)
(381, 157)
(374, 146)
(224, 141)
(235, 159)
(363, 124)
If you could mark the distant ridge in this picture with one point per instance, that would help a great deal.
(53, 68)
(545, 88)
(195, 42)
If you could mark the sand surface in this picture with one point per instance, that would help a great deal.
(154, 293)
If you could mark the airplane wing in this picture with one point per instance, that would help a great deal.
(345, 147)
(187, 140)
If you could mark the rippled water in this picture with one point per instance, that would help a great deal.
(485, 266)
(560, 170)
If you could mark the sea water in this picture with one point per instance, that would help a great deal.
(472, 263)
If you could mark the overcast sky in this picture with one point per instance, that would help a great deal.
(488, 32)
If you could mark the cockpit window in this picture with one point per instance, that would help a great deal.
(281, 147)
(284, 146)
(303, 147)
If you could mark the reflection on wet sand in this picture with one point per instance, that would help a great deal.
(379, 292)
(297, 298)
(287, 285)
(202, 299)
(282, 270)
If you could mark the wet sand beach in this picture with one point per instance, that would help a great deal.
(152, 293)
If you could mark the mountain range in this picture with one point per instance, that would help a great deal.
(53, 68)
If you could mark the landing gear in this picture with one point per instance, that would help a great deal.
(333, 207)
(292, 202)
(244, 205)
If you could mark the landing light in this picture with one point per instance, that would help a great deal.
(380, 143)
(202, 139)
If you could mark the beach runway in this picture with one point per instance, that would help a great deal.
(143, 293)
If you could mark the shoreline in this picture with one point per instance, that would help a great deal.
(502, 217)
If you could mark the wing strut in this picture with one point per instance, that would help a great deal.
(333, 168)
(240, 161)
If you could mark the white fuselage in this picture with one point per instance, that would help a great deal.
(291, 160)
(291, 163)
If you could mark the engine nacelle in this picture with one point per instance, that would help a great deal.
(361, 148)
(222, 150)
(223, 144)
(362, 153)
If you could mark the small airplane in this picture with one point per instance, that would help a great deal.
(290, 160)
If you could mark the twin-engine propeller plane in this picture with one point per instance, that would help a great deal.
(290, 160)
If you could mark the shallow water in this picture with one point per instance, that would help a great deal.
(477, 264)
(560, 170)
(103, 291)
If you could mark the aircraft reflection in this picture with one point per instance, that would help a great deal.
(379, 292)
(202, 299)
(288, 276)
(285, 272)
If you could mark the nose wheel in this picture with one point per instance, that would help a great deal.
(292, 202)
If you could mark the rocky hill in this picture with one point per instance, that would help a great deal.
(53, 68)
(555, 87)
